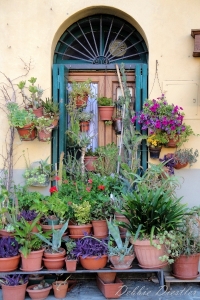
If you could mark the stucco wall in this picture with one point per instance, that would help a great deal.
(31, 29)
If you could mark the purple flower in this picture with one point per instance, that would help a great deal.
(133, 119)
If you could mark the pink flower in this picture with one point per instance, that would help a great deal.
(90, 180)
(56, 178)
(88, 188)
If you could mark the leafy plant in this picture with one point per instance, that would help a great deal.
(118, 247)
(70, 246)
(106, 163)
(56, 206)
(80, 88)
(28, 215)
(90, 246)
(105, 101)
(16, 279)
(84, 116)
(42, 123)
(90, 152)
(186, 156)
(9, 247)
(50, 107)
(81, 212)
(56, 239)
(19, 117)
(157, 139)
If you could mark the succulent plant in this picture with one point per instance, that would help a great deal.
(186, 156)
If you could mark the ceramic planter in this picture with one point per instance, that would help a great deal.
(178, 165)
(94, 262)
(38, 112)
(172, 143)
(81, 101)
(106, 112)
(54, 263)
(33, 262)
(107, 277)
(5, 233)
(70, 265)
(60, 254)
(60, 289)
(38, 294)
(89, 162)
(155, 152)
(84, 126)
(44, 135)
(77, 231)
(100, 228)
(186, 267)
(121, 218)
(110, 290)
(27, 133)
(8, 264)
(16, 292)
(121, 264)
(46, 228)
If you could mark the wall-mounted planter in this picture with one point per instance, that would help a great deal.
(106, 112)
(27, 133)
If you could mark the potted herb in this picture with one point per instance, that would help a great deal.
(33, 100)
(54, 254)
(105, 108)
(22, 120)
(92, 252)
(70, 259)
(80, 91)
(183, 157)
(158, 115)
(14, 286)
(44, 128)
(9, 254)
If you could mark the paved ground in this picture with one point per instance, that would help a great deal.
(134, 289)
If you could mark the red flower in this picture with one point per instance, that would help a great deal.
(88, 188)
(56, 178)
(53, 189)
(101, 187)
(90, 180)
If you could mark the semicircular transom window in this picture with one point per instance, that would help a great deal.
(101, 39)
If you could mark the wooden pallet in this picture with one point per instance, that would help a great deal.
(169, 278)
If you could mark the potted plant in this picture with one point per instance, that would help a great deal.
(158, 115)
(30, 245)
(60, 288)
(105, 108)
(155, 142)
(9, 254)
(51, 110)
(120, 253)
(54, 254)
(29, 216)
(81, 219)
(33, 101)
(14, 286)
(70, 259)
(92, 252)
(22, 120)
(107, 159)
(84, 118)
(90, 159)
(39, 291)
(80, 91)
(183, 157)
(38, 173)
(44, 128)
(152, 208)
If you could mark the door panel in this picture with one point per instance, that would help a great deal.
(107, 85)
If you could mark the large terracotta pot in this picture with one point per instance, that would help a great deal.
(38, 294)
(16, 292)
(106, 112)
(122, 264)
(94, 262)
(89, 162)
(27, 133)
(54, 263)
(148, 255)
(60, 289)
(100, 228)
(110, 290)
(33, 262)
(71, 264)
(8, 264)
(77, 231)
(186, 267)
(107, 277)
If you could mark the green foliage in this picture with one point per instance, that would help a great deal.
(82, 212)
(186, 156)
(106, 163)
(80, 88)
(27, 199)
(50, 107)
(56, 239)
(84, 116)
(70, 245)
(19, 117)
(56, 206)
(104, 101)
(43, 123)
(119, 247)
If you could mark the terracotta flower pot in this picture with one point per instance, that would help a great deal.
(5, 233)
(38, 294)
(44, 135)
(54, 263)
(16, 292)
(81, 101)
(8, 264)
(60, 254)
(123, 264)
(100, 228)
(121, 218)
(107, 277)
(110, 290)
(46, 228)
(186, 267)
(33, 262)
(77, 231)
(148, 255)
(106, 112)
(60, 289)
(94, 262)
(71, 264)
(89, 162)
(172, 143)
(27, 133)
(178, 165)
(38, 112)
(84, 126)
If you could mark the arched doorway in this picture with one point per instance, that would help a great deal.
(91, 48)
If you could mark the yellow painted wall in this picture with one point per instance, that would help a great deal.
(31, 29)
